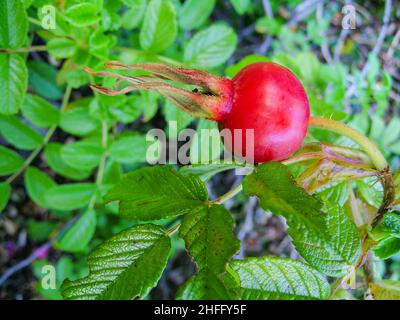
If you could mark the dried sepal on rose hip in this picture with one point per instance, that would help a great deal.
(265, 97)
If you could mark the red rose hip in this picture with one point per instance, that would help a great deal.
(264, 97)
(271, 100)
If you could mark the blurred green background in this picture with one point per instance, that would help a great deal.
(62, 147)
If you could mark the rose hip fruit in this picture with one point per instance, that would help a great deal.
(264, 97)
(271, 100)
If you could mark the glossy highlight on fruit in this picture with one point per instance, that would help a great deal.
(265, 98)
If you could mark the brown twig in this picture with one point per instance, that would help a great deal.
(388, 196)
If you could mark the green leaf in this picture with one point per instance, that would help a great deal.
(61, 47)
(10, 161)
(392, 132)
(194, 13)
(37, 184)
(78, 121)
(234, 69)
(382, 93)
(123, 267)
(268, 25)
(156, 193)
(390, 225)
(377, 128)
(371, 191)
(241, 6)
(288, 62)
(40, 230)
(19, 134)
(395, 148)
(209, 239)
(75, 77)
(391, 222)
(205, 285)
(134, 15)
(387, 247)
(206, 144)
(99, 44)
(316, 30)
(84, 154)
(159, 28)
(5, 191)
(309, 66)
(180, 117)
(206, 172)
(338, 193)
(149, 104)
(70, 196)
(129, 149)
(131, 3)
(42, 77)
(338, 251)
(13, 82)
(77, 237)
(270, 278)
(103, 106)
(360, 122)
(27, 3)
(329, 240)
(39, 111)
(82, 14)
(98, 39)
(374, 67)
(211, 47)
(67, 268)
(112, 173)
(13, 24)
(53, 157)
(385, 290)
(110, 15)
(273, 184)
(62, 27)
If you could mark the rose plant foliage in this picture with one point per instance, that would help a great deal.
(315, 166)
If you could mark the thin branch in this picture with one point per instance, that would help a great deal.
(174, 229)
(267, 8)
(46, 140)
(34, 21)
(35, 255)
(324, 46)
(21, 50)
(342, 38)
(265, 45)
(339, 45)
(103, 161)
(386, 179)
(378, 44)
(302, 11)
(24, 263)
(370, 149)
(230, 194)
(384, 29)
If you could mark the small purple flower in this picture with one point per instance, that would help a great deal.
(41, 252)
